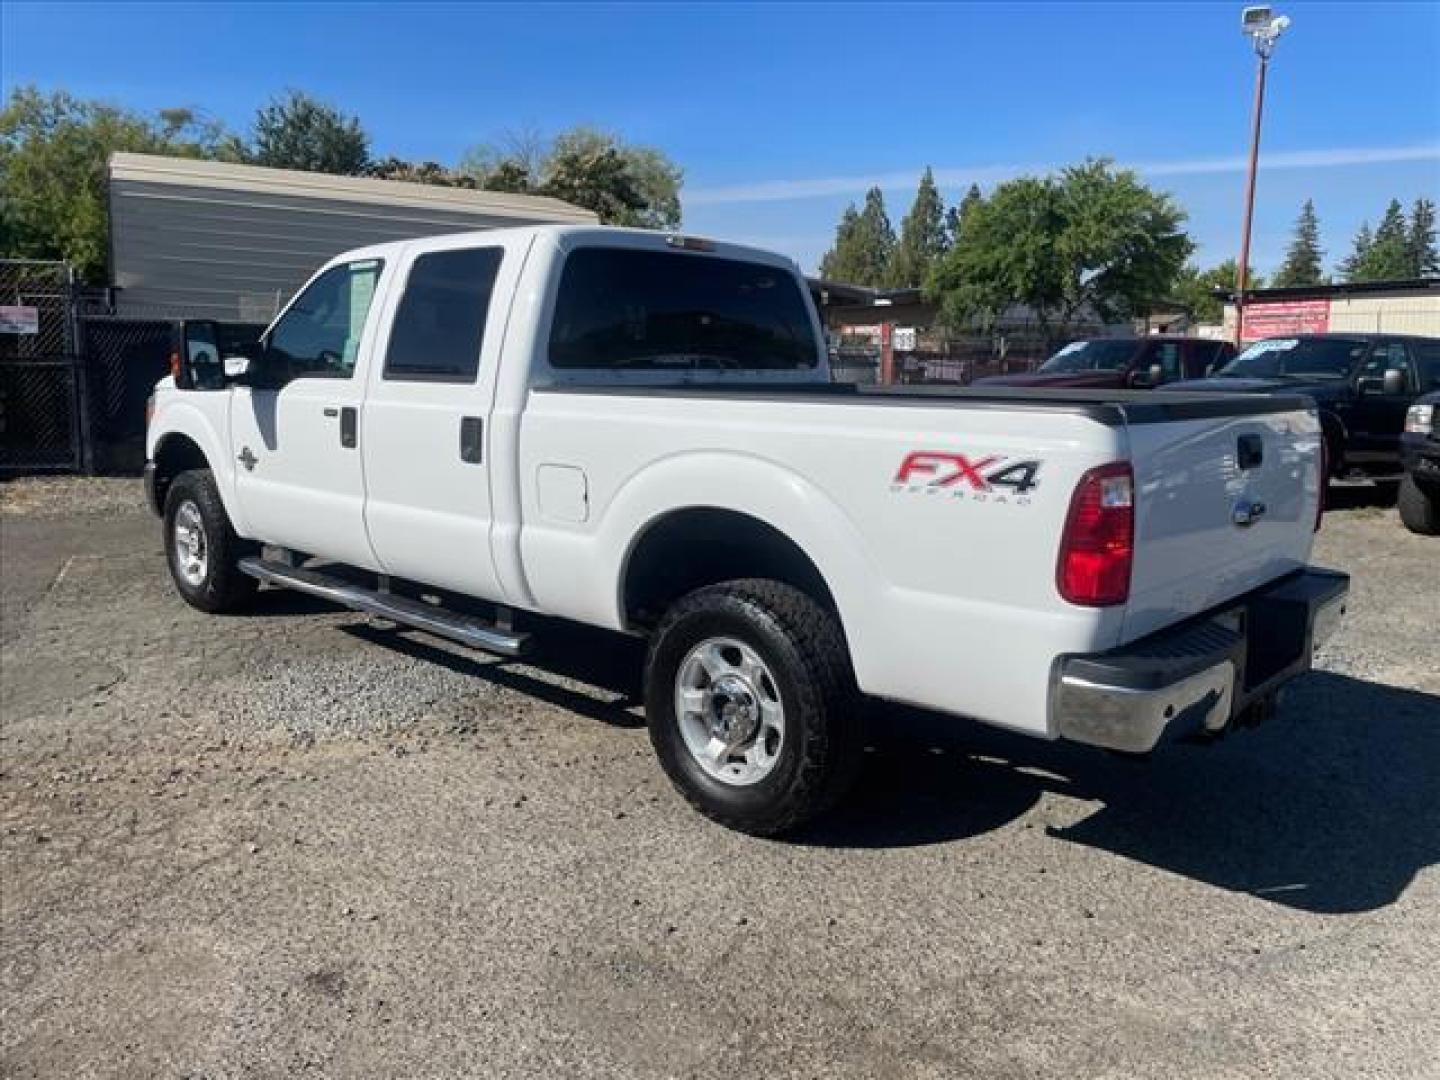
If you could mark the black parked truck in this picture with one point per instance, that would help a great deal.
(1420, 456)
(1363, 385)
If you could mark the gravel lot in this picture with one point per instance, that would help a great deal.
(292, 843)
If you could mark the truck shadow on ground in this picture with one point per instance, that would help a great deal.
(608, 665)
(1331, 807)
(1334, 806)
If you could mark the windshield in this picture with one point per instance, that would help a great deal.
(1296, 358)
(1110, 355)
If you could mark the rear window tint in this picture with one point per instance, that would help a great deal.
(1427, 357)
(628, 310)
(440, 324)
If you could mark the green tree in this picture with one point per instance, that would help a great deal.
(1302, 259)
(54, 149)
(624, 184)
(842, 262)
(1351, 266)
(1093, 240)
(956, 215)
(922, 237)
(297, 131)
(1424, 257)
(1386, 255)
(418, 172)
(1197, 289)
(864, 245)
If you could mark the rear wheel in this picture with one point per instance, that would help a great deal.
(202, 547)
(1419, 507)
(752, 706)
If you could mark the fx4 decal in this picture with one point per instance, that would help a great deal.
(989, 478)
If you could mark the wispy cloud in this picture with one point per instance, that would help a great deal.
(821, 187)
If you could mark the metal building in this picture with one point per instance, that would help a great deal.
(1376, 307)
(205, 239)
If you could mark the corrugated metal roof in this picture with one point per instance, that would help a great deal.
(191, 172)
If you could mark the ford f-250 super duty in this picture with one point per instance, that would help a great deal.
(637, 431)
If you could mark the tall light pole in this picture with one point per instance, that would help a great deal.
(1263, 27)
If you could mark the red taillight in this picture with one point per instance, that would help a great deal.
(1324, 482)
(1099, 542)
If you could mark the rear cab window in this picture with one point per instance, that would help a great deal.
(638, 310)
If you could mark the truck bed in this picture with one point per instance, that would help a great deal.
(1114, 407)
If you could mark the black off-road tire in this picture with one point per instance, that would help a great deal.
(1419, 507)
(222, 587)
(802, 645)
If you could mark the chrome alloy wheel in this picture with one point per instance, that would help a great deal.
(729, 710)
(192, 550)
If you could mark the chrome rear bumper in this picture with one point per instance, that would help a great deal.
(1201, 674)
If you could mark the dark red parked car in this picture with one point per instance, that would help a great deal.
(1120, 363)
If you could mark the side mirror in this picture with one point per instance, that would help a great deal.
(196, 364)
(1393, 383)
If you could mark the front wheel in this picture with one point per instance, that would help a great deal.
(752, 706)
(1419, 507)
(202, 547)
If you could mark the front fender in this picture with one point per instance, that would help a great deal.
(177, 416)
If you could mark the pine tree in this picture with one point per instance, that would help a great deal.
(840, 262)
(1302, 260)
(875, 240)
(1423, 256)
(922, 237)
(1352, 266)
(956, 215)
(1387, 258)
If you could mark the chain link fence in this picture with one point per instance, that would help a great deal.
(39, 390)
(121, 360)
(74, 378)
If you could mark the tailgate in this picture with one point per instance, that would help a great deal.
(1223, 505)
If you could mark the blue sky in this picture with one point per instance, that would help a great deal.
(781, 114)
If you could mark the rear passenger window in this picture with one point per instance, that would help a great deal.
(1427, 356)
(440, 323)
(624, 309)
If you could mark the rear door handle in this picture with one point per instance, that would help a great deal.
(472, 440)
(349, 425)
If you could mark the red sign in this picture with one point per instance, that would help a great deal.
(1278, 318)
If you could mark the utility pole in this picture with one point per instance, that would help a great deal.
(1263, 28)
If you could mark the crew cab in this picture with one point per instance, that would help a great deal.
(637, 431)
(1362, 385)
(1122, 363)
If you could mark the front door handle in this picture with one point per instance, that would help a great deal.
(349, 423)
(472, 440)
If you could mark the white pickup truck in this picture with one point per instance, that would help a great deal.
(637, 431)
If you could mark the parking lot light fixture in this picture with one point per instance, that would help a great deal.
(1263, 27)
